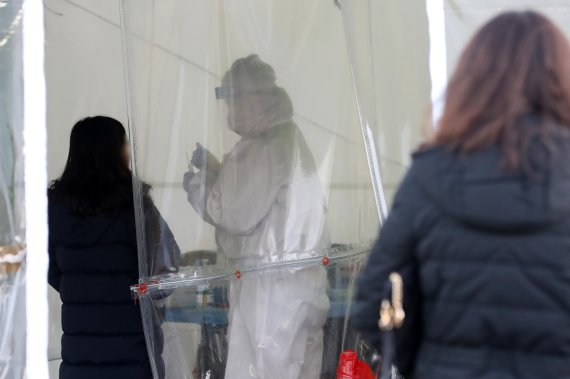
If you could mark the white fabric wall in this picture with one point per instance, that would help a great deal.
(463, 17)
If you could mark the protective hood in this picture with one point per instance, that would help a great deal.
(476, 190)
(258, 113)
(255, 102)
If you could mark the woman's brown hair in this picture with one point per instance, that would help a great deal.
(515, 69)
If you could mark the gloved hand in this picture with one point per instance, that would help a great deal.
(202, 159)
(186, 180)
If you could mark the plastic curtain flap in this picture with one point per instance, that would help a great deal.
(357, 17)
(255, 206)
(12, 230)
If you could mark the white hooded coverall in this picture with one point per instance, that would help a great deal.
(266, 204)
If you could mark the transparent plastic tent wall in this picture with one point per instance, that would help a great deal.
(12, 220)
(23, 200)
(255, 202)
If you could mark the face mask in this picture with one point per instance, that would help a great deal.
(245, 117)
(253, 114)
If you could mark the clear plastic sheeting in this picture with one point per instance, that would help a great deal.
(12, 231)
(203, 332)
(249, 138)
(358, 28)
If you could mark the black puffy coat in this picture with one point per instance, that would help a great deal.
(93, 263)
(492, 250)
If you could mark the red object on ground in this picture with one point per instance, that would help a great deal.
(350, 367)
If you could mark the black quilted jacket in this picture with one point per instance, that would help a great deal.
(492, 250)
(93, 263)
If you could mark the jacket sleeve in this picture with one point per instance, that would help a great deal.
(162, 248)
(392, 251)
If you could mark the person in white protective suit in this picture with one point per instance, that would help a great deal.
(266, 204)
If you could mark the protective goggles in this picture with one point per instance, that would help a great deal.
(224, 93)
(231, 93)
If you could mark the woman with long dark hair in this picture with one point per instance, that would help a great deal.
(483, 215)
(93, 255)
